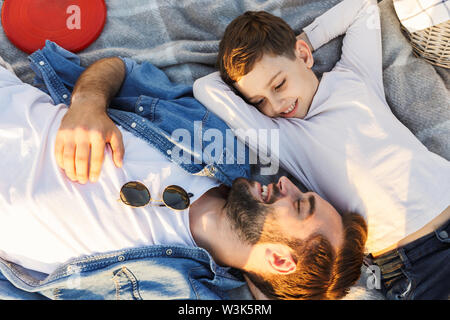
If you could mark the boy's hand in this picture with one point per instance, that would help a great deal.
(81, 140)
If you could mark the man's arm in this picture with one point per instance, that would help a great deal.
(86, 128)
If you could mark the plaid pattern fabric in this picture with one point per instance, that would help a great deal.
(6, 65)
(416, 15)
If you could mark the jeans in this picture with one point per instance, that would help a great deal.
(420, 270)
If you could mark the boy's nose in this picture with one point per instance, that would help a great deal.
(280, 106)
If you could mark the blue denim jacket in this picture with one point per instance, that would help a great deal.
(151, 107)
(146, 273)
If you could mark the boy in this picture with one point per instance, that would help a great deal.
(339, 137)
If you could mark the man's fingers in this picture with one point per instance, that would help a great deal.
(97, 156)
(69, 160)
(80, 146)
(118, 150)
(59, 149)
(82, 162)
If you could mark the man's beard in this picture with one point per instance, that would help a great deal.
(247, 215)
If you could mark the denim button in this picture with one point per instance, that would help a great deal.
(169, 152)
(41, 63)
(133, 125)
(120, 258)
(65, 96)
(443, 234)
(141, 108)
(169, 252)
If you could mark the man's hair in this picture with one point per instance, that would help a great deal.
(247, 38)
(321, 273)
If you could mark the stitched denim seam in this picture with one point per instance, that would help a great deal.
(134, 282)
(409, 293)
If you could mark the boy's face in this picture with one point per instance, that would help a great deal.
(279, 86)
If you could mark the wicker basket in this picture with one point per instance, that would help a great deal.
(432, 44)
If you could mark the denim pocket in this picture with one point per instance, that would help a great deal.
(145, 107)
(126, 284)
(402, 289)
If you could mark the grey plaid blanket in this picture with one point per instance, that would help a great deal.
(182, 37)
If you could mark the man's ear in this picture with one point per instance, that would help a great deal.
(279, 259)
(303, 51)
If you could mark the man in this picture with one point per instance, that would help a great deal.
(339, 137)
(78, 241)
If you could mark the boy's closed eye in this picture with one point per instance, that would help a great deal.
(280, 86)
(277, 88)
(259, 103)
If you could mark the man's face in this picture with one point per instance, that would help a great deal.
(279, 86)
(298, 215)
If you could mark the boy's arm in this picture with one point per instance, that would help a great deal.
(219, 98)
(86, 128)
(262, 134)
(361, 47)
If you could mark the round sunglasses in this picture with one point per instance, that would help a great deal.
(136, 194)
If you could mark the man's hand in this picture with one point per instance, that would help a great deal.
(82, 136)
(86, 128)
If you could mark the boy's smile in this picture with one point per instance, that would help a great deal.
(279, 86)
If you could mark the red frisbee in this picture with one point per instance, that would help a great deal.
(72, 24)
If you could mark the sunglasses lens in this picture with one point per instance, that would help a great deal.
(135, 194)
(176, 198)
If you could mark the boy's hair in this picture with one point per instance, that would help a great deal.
(247, 38)
(320, 273)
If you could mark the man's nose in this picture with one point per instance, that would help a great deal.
(286, 187)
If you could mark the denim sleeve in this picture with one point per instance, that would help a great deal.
(56, 67)
(146, 79)
(9, 292)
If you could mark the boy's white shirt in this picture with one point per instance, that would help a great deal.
(349, 148)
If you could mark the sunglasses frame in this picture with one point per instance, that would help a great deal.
(164, 204)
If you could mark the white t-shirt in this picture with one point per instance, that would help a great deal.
(45, 219)
(349, 148)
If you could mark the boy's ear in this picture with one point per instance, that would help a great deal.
(302, 51)
(280, 259)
